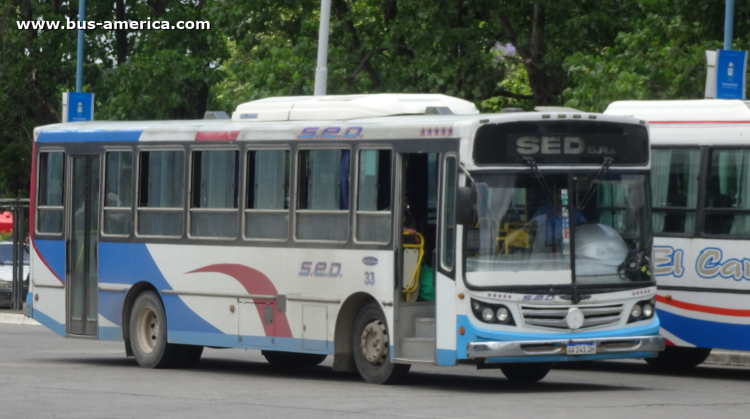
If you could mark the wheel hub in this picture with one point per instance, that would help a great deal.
(375, 343)
(148, 330)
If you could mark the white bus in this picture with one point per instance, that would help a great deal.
(385, 230)
(700, 185)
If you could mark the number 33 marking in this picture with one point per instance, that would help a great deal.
(369, 278)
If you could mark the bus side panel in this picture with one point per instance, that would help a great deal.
(700, 317)
(126, 264)
(445, 321)
(47, 284)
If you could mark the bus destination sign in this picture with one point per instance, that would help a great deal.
(561, 143)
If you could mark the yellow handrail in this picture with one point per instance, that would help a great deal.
(413, 284)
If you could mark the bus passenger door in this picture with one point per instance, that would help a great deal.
(82, 241)
(415, 293)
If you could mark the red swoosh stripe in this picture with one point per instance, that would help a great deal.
(255, 282)
(704, 309)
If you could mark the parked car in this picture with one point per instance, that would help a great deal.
(6, 274)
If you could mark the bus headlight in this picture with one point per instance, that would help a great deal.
(642, 310)
(492, 313)
(488, 314)
(502, 314)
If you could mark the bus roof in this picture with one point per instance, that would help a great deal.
(698, 111)
(371, 117)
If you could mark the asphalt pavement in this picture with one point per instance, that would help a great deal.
(45, 375)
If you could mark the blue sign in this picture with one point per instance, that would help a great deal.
(730, 74)
(80, 107)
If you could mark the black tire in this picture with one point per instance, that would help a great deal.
(188, 356)
(148, 333)
(676, 357)
(291, 360)
(382, 370)
(526, 372)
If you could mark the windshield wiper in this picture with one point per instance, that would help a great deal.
(547, 191)
(590, 192)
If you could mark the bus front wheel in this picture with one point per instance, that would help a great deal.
(679, 357)
(148, 333)
(371, 348)
(526, 372)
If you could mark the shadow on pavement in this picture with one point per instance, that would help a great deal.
(719, 372)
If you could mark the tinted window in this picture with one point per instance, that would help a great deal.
(323, 200)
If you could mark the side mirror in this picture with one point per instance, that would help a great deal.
(466, 205)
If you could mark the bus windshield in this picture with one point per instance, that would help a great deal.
(558, 229)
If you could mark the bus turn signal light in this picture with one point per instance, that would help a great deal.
(461, 331)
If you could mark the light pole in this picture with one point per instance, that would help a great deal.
(728, 25)
(321, 71)
(79, 58)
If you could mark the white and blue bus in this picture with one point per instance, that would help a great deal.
(385, 230)
(700, 186)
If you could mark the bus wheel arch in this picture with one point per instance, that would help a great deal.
(127, 308)
(343, 359)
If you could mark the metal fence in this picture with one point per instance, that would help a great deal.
(19, 208)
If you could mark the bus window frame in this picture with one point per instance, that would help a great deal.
(48, 235)
(188, 195)
(134, 194)
(185, 149)
(245, 192)
(448, 271)
(355, 211)
(297, 184)
(702, 196)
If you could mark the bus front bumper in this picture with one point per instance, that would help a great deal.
(557, 347)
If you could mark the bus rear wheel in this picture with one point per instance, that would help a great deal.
(526, 372)
(290, 360)
(148, 333)
(371, 348)
(679, 357)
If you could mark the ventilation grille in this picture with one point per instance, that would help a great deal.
(554, 316)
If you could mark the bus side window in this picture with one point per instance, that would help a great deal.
(728, 188)
(267, 212)
(49, 216)
(118, 193)
(161, 193)
(674, 189)
(373, 215)
(323, 195)
(214, 201)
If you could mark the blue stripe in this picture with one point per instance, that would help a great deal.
(706, 334)
(53, 252)
(446, 357)
(110, 333)
(48, 322)
(255, 342)
(475, 334)
(88, 136)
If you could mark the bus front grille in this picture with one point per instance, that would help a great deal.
(554, 316)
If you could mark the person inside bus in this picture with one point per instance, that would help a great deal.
(549, 220)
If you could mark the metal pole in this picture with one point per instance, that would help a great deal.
(321, 72)
(79, 58)
(728, 25)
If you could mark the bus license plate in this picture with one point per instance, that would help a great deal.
(581, 348)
